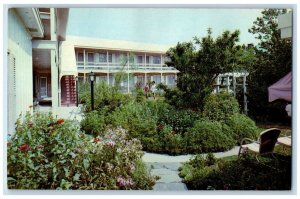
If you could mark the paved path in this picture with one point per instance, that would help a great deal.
(166, 167)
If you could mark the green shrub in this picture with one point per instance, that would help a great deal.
(93, 123)
(49, 153)
(220, 106)
(173, 96)
(242, 126)
(139, 95)
(208, 136)
(244, 173)
(137, 118)
(104, 97)
(210, 159)
(180, 120)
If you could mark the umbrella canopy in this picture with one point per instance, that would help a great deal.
(281, 89)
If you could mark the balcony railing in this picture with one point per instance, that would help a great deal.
(117, 66)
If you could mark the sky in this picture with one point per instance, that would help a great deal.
(165, 26)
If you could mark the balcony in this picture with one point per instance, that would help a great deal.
(115, 67)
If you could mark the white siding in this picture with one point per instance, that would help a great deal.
(20, 47)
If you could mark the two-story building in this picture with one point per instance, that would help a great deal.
(43, 63)
(141, 62)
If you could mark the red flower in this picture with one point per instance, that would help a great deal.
(97, 140)
(30, 124)
(40, 147)
(24, 147)
(60, 121)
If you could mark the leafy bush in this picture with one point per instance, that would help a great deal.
(244, 173)
(173, 96)
(173, 142)
(242, 126)
(180, 120)
(139, 95)
(137, 118)
(104, 97)
(93, 123)
(220, 106)
(46, 153)
(208, 136)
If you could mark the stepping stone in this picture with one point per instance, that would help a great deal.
(166, 175)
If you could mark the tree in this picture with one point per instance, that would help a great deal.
(200, 62)
(274, 60)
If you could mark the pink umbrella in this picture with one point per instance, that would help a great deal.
(281, 89)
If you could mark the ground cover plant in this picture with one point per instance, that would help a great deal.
(233, 173)
(50, 153)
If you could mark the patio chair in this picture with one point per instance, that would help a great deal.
(264, 145)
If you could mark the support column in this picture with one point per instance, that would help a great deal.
(161, 66)
(107, 63)
(54, 81)
(218, 84)
(84, 76)
(128, 72)
(52, 24)
(145, 60)
(234, 84)
(227, 83)
(245, 96)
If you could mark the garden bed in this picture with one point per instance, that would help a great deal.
(49, 153)
(232, 173)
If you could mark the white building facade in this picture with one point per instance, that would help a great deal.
(32, 58)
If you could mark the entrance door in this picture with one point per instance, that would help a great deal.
(43, 87)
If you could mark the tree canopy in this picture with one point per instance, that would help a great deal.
(200, 61)
(273, 61)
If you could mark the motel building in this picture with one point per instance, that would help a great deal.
(43, 63)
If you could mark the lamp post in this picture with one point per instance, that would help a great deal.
(77, 98)
(92, 79)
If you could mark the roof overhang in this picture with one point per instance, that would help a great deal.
(32, 21)
(117, 45)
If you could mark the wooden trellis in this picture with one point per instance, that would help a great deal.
(230, 82)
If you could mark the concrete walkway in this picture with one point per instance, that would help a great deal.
(72, 113)
(166, 167)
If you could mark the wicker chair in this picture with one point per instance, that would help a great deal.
(264, 145)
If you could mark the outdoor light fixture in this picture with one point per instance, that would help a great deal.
(92, 76)
(92, 79)
(77, 98)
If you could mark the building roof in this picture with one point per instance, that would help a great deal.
(94, 43)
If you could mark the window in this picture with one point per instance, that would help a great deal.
(102, 57)
(110, 58)
(140, 59)
(90, 57)
(147, 59)
(80, 56)
(156, 60)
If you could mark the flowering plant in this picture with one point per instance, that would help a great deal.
(53, 154)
